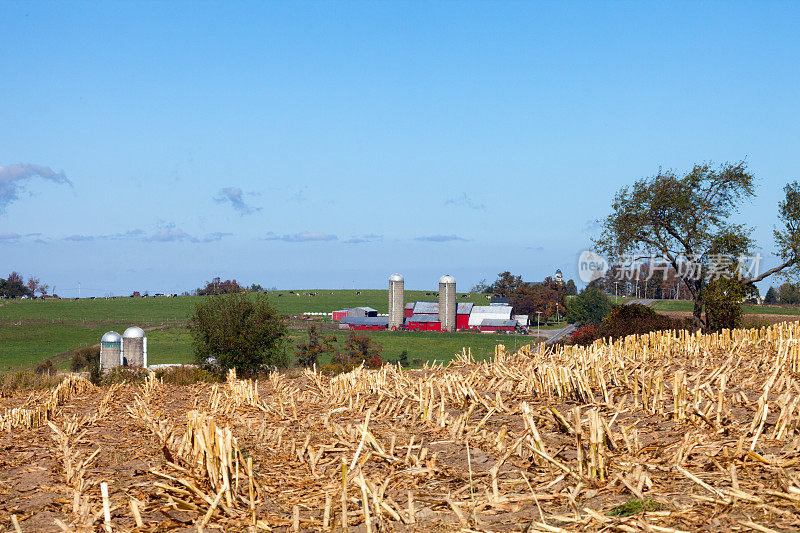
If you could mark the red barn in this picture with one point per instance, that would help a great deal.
(336, 316)
(490, 325)
(462, 315)
(423, 323)
(408, 312)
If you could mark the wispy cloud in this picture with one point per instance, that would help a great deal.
(131, 234)
(81, 238)
(463, 200)
(303, 236)
(235, 197)
(9, 237)
(440, 238)
(13, 178)
(168, 233)
(369, 237)
(213, 237)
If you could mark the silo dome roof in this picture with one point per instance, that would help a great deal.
(447, 278)
(133, 332)
(395, 277)
(111, 336)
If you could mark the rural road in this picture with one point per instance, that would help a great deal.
(554, 335)
(642, 301)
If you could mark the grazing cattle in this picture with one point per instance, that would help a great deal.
(358, 293)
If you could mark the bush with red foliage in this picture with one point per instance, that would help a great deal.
(624, 320)
(358, 349)
(583, 335)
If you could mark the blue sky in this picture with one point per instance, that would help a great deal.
(151, 146)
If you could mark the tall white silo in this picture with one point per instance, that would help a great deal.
(110, 349)
(134, 347)
(396, 301)
(447, 302)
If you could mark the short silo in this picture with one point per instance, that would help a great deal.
(447, 302)
(396, 301)
(134, 347)
(110, 350)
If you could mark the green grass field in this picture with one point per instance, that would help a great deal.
(161, 310)
(174, 344)
(684, 305)
(34, 330)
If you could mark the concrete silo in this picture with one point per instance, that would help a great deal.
(110, 350)
(396, 301)
(134, 347)
(447, 302)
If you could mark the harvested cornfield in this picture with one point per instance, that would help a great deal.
(664, 432)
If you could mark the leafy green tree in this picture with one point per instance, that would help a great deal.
(240, 330)
(771, 297)
(570, 289)
(678, 217)
(789, 293)
(588, 307)
(308, 353)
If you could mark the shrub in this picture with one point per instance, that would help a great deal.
(401, 359)
(45, 368)
(359, 349)
(238, 330)
(583, 335)
(186, 375)
(308, 353)
(84, 358)
(624, 320)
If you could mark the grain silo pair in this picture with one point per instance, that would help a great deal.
(447, 302)
(128, 349)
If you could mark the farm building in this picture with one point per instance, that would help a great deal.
(488, 312)
(462, 315)
(489, 325)
(497, 300)
(408, 312)
(463, 309)
(364, 322)
(354, 312)
(522, 320)
(423, 323)
(426, 308)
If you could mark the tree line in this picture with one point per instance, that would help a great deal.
(14, 286)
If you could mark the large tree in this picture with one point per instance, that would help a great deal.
(685, 220)
(506, 284)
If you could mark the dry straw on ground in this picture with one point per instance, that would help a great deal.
(662, 432)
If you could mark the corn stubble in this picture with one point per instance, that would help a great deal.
(704, 429)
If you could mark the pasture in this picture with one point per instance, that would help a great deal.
(34, 330)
